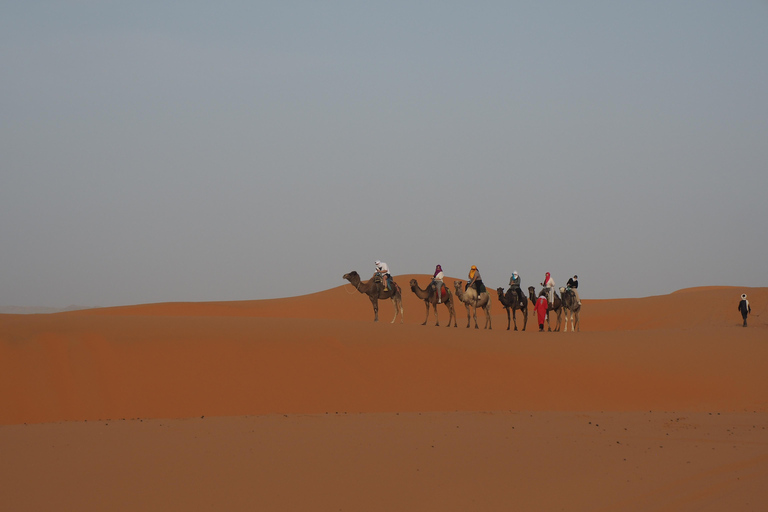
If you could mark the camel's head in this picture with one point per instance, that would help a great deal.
(562, 289)
(532, 290)
(500, 291)
(352, 276)
(458, 284)
(414, 284)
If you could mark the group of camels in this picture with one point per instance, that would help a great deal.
(374, 288)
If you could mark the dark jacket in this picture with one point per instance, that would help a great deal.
(745, 308)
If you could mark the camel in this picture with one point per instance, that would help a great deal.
(374, 289)
(471, 298)
(430, 297)
(556, 306)
(571, 309)
(511, 300)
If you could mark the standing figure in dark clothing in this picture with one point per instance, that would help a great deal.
(744, 308)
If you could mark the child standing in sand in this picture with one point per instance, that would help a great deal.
(744, 308)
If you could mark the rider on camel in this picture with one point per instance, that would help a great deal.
(437, 282)
(514, 285)
(573, 285)
(475, 281)
(549, 284)
(383, 270)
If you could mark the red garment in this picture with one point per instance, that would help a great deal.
(541, 309)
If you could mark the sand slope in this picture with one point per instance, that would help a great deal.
(305, 404)
(322, 353)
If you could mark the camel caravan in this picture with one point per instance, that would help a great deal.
(473, 294)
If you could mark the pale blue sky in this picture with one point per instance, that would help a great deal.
(190, 151)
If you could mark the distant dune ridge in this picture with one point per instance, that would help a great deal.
(673, 381)
(34, 310)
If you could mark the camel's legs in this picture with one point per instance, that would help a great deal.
(426, 316)
(450, 303)
(398, 306)
(451, 313)
(474, 313)
(375, 303)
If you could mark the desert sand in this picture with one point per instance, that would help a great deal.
(304, 403)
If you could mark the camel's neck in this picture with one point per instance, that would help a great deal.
(461, 294)
(422, 294)
(369, 287)
(357, 283)
(363, 286)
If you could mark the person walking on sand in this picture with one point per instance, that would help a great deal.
(437, 282)
(744, 308)
(541, 310)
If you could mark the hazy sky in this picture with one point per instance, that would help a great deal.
(157, 151)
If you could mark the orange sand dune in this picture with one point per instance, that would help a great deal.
(684, 350)
(684, 308)
(659, 403)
